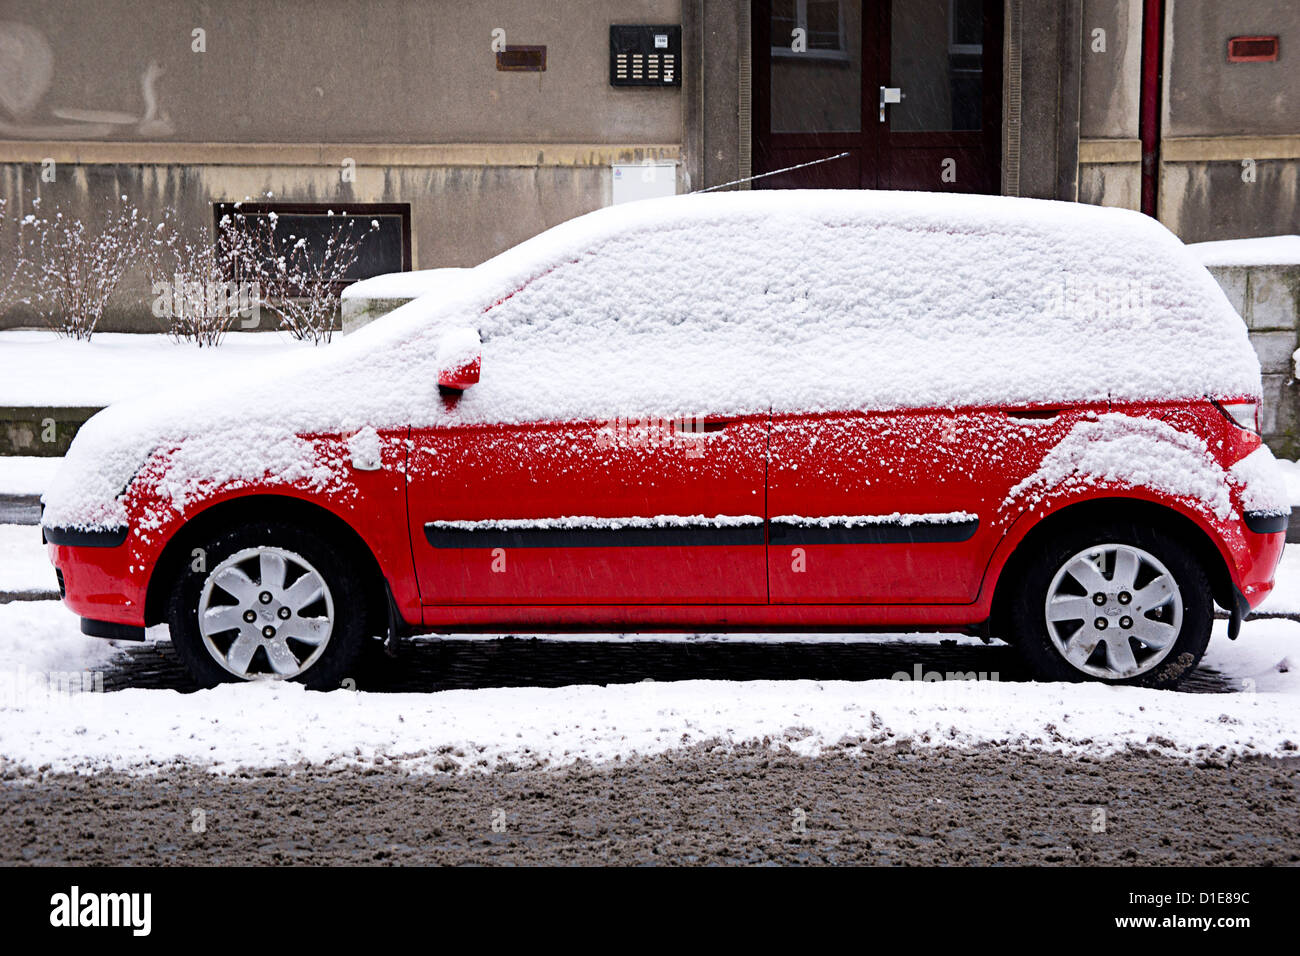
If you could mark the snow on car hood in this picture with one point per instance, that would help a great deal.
(728, 303)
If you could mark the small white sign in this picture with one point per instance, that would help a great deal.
(661, 41)
(634, 181)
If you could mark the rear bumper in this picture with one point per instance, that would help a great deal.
(1255, 557)
(1267, 522)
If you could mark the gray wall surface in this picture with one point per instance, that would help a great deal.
(1112, 69)
(301, 71)
(1207, 95)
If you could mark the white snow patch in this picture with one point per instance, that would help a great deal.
(1123, 451)
(37, 637)
(403, 285)
(23, 563)
(270, 724)
(896, 518)
(1285, 596)
(1291, 476)
(365, 449)
(1262, 482)
(26, 475)
(38, 368)
(1261, 251)
(589, 521)
(457, 348)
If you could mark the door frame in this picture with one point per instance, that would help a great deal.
(875, 142)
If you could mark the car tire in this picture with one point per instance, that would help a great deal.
(1115, 602)
(268, 599)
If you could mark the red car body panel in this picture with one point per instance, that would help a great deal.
(600, 470)
(746, 572)
(111, 584)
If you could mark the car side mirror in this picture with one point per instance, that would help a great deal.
(460, 358)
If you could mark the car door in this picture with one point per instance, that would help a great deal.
(649, 511)
(881, 507)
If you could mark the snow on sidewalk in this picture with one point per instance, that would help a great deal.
(270, 724)
(1291, 475)
(38, 368)
(24, 565)
(22, 475)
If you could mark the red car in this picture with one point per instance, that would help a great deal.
(750, 411)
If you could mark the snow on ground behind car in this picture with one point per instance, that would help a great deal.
(39, 368)
(43, 724)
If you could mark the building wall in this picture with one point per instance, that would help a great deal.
(115, 95)
(116, 98)
(1221, 116)
(1216, 116)
(1110, 153)
(331, 71)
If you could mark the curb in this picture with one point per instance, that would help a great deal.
(20, 509)
(10, 597)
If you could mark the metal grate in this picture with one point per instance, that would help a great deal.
(1252, 49)
(522, 59)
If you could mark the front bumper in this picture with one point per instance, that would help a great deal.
(102, 578)
(110, 631)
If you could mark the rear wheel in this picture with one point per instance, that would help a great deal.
(271, 601)
(1119, 603)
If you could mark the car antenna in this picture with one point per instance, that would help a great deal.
(775, 172)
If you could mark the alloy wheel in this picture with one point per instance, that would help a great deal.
(1114, 611)
(265, 613)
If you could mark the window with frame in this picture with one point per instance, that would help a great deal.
(381, 231)
(822, 22)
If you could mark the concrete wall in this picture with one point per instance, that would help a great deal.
(1045, 152)
(114, 95)
(465, 205)
(1112, 69)
(1268, 298)
(1208, 96)
(1110, 154)
(1230, 132)
(307, 71)
(1230, 152)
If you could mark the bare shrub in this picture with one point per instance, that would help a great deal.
(75, 268)
(196, 292)
(299, 284)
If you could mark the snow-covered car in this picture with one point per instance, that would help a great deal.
(818, 411)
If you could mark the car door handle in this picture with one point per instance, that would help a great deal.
(696, 426)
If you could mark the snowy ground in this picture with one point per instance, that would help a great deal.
(48, 721)
(38, 368)
(26, 476)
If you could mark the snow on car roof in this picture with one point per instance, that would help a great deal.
(729, 303)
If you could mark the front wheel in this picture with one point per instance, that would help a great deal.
(271, 601)
(1119, 603)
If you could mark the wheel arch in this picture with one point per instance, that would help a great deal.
(231, 511)
(1138, 510)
